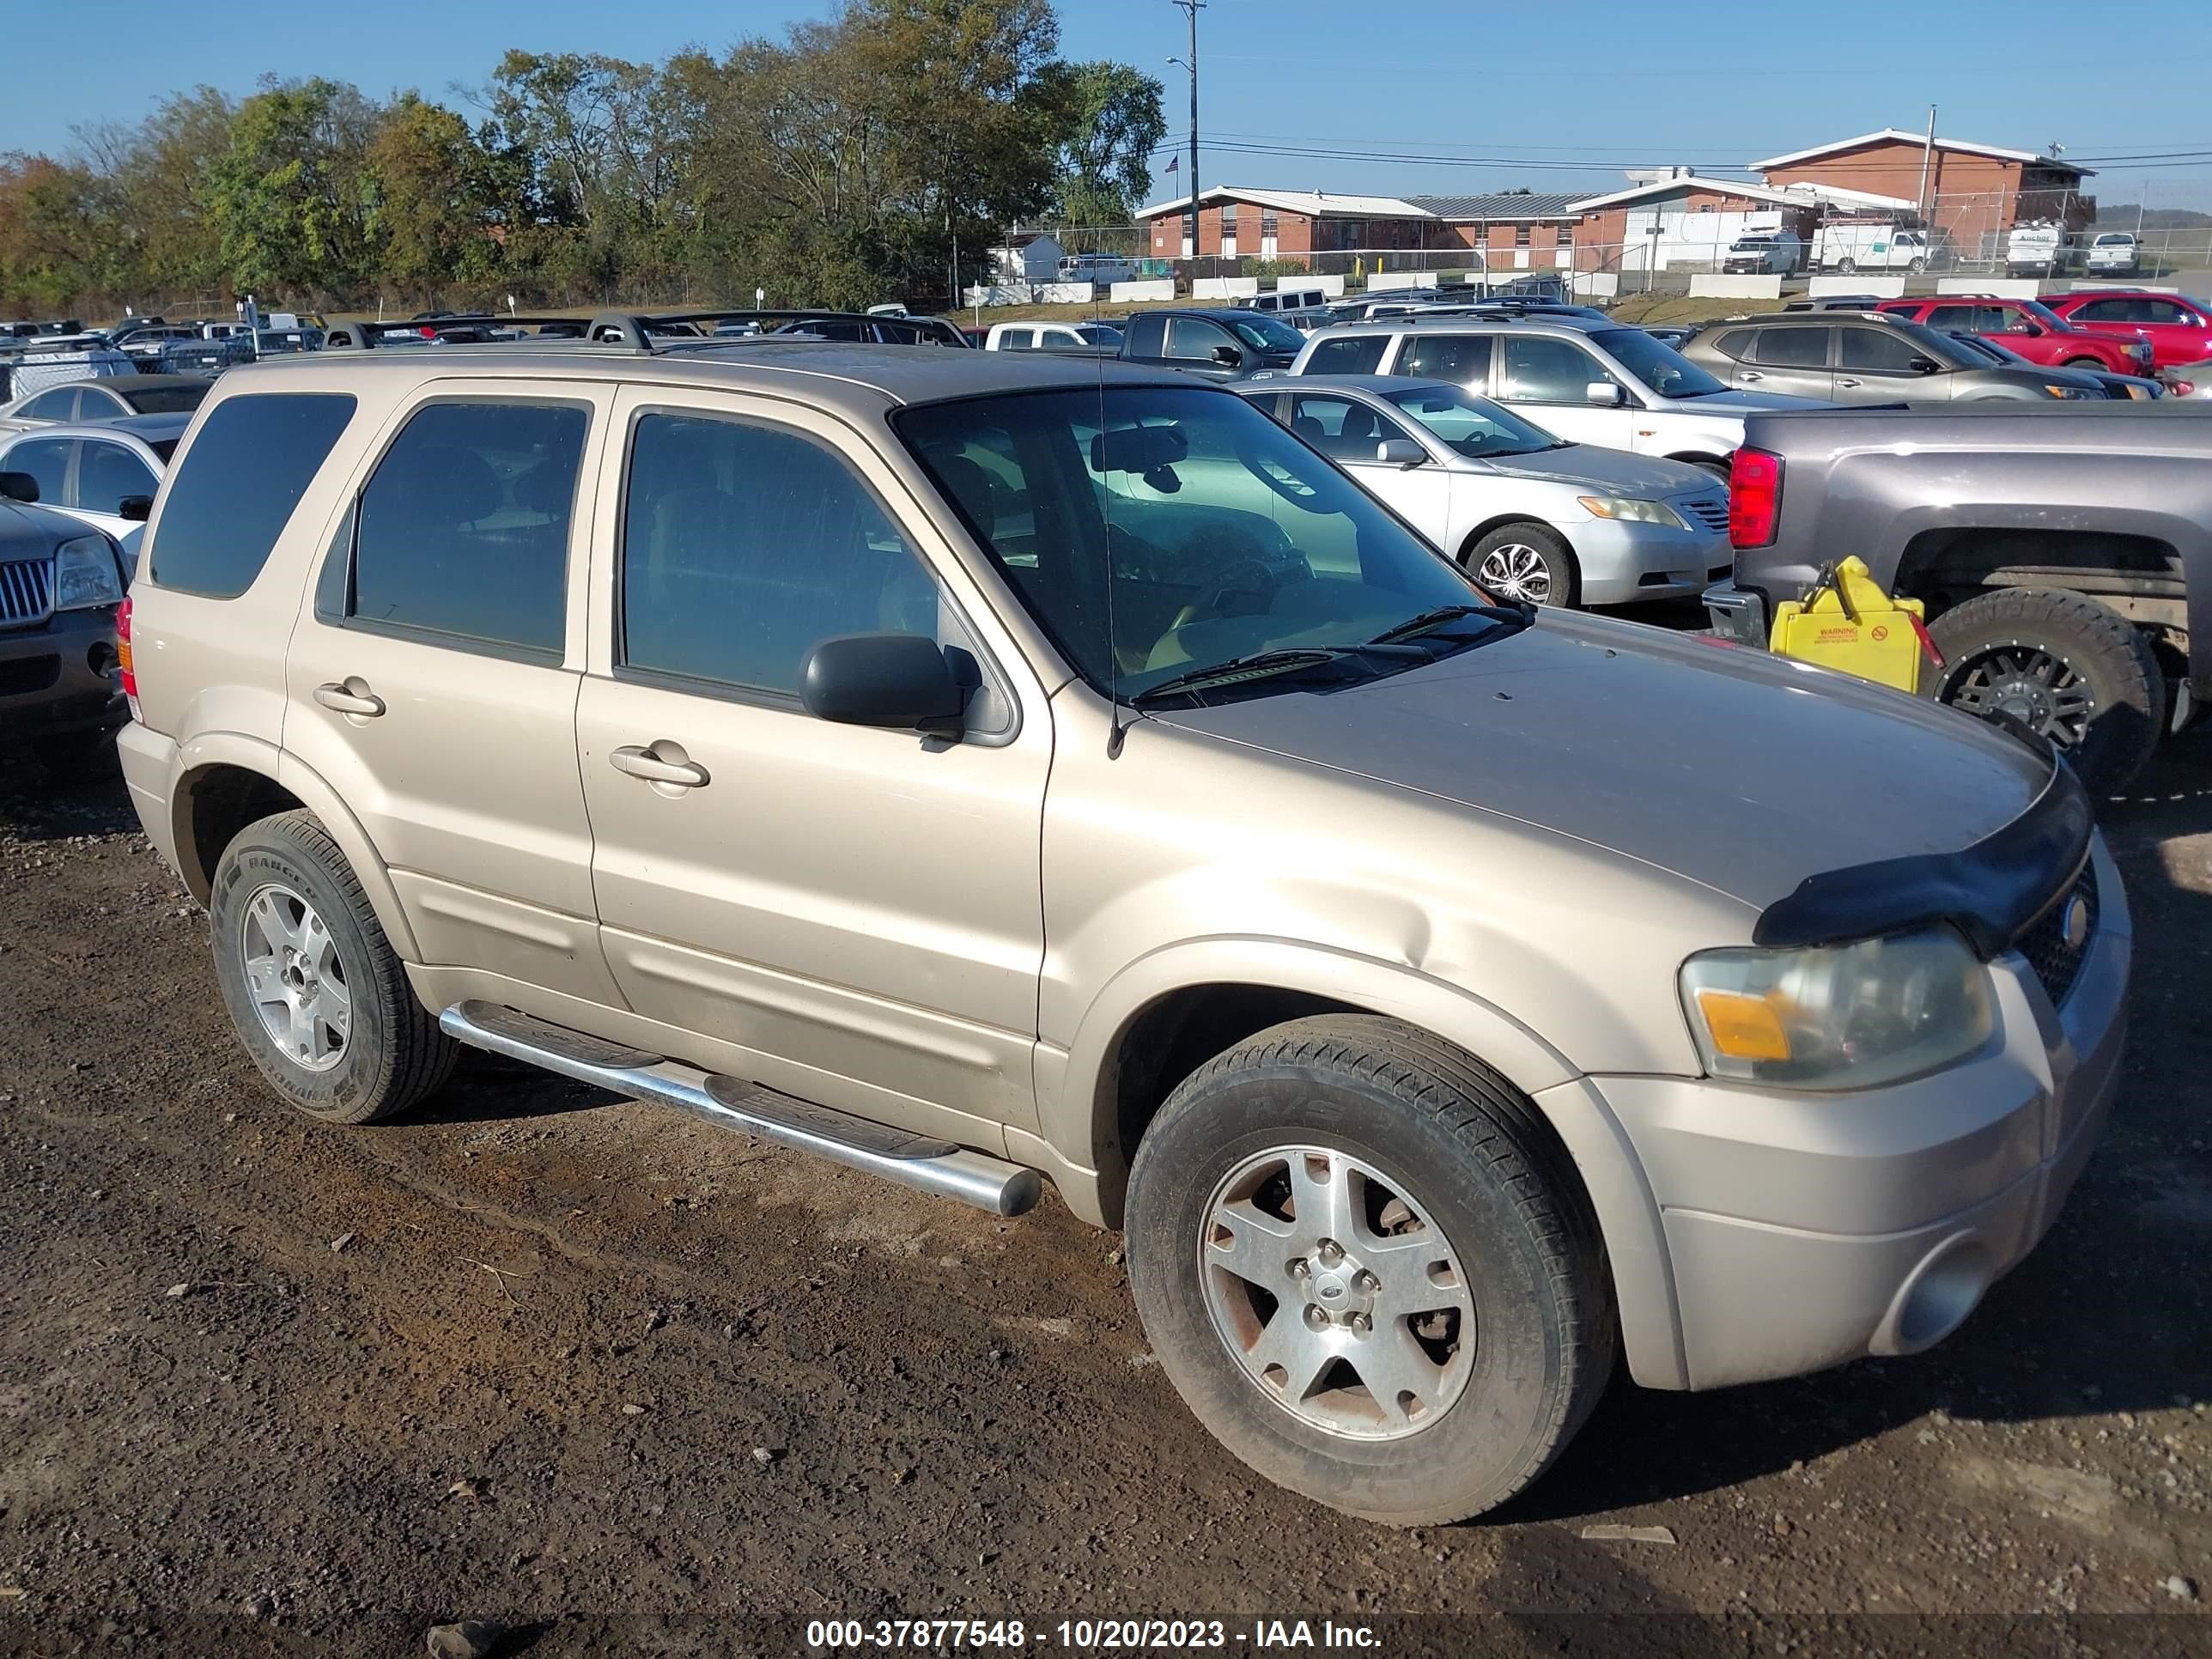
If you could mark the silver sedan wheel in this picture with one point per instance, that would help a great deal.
(295, 979)
(1340, 1301)
(1516, 571)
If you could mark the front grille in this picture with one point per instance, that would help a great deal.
(1713, 514)
(26, 591)
(24, 675)
(2043, 941)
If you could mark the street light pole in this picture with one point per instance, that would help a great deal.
(1193, 7)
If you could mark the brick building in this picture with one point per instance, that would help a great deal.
(1515, 229)
(1974, 193)
(1268, 224)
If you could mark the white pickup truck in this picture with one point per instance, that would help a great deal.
(1102, 338)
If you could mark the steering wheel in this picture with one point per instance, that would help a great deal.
(1254, 576)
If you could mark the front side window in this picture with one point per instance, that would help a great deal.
(744, 545)
(1539, 370)
(2161, 311)
(1196, 338)
(1016, 339)
(1462, 358)
(1474, 427)
(464, 527)
(1342, 428)
(1348, 354)
(1222, 535)
(249, 463)
(1657, 365)
(106, 474)
(46, 459)
(1877, 351)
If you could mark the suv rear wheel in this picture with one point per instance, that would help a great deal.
(1368, 1270)
(2071, 670)
(314, 989)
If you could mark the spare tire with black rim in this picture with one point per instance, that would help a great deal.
(2072, 671)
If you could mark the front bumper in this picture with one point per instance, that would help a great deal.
(60, 676)
(1802, 1230)
(1623, 562)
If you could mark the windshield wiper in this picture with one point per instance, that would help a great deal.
(1260, 665)
(1430, 621)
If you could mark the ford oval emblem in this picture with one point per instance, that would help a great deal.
(2077, 923)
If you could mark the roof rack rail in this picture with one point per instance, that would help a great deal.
(632, 330)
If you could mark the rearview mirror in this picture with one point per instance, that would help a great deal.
(1400, 451)
(1138, 448)
(898, 681)
(19, 486)
(1605, 394)
(136, 509)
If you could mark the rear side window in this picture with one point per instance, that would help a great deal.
(248, 466)
(464, 525)
(1735, 344)
(1463, 358)
(1352, 354)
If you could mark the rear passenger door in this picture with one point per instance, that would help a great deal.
(433, 677)
(849, 914)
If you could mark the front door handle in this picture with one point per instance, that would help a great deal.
(1749, 374)
(1845, 379)
(644, 763)
(346, 699)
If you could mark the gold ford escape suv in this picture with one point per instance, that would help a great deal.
(978, 768)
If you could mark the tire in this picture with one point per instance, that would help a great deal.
(1849, 267)
(1532, 562)
(2081, 363)
(284, 880)
(77, 757)
(1720, 470)
(1390, 1114)
(2076, 672)
(1916, 266)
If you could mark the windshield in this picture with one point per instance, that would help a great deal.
(1474, 427)
(1229, 537)
(2046, 317)
(1935, 343)
(1974, 346)
(1662, 367)
(1099, 334)
(1267, 334)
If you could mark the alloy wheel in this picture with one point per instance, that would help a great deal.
(2034, 686)
(1335, 1294)
(1516, 571)
(294, 977)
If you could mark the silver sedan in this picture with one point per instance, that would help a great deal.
(1530, 516)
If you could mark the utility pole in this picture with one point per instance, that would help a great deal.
(1927, 162)
(1193, 7)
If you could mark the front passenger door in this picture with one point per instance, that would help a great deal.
(1791, 358)
(1549, 379)
(849, 914)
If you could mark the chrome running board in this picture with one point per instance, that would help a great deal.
(935, 1166)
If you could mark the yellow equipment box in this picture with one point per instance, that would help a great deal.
(1848, 622)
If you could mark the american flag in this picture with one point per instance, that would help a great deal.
(1172, 162)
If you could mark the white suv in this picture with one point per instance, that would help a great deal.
(1590, 381)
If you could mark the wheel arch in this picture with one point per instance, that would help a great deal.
(226, 781)
(1502, 521)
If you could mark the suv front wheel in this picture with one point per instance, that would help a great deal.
(315, 990)
(1369, 1269)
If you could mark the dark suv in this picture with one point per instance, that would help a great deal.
(1864, 357)
(60, 679)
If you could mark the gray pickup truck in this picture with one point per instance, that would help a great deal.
(2065, 555)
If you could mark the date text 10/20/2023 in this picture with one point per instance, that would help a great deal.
(1082, 1634)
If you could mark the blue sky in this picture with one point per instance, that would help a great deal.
(1558, 96)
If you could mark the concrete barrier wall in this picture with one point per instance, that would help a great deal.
(1596, 284)
(1885, 287)
(1331, 286)
(2005, 287)
(1387, 282)
(1122, 292)
(2109, 281)
(1224, 288)
(1031, 294)
(1736, 288)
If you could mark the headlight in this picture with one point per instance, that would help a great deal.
(1635, 512)
(85, 575)
(2068, 390)
(1840, 1016)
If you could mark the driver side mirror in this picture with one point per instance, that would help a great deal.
(1605, 394)
(1925, 366)
(1228, 356)
(1400, 451)
(897, 681)
(19, 487)
(136, 509)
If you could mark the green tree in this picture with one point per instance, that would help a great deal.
(1111, 122)
(290, 197)
(429, 221)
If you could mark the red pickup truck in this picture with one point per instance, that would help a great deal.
(2031, 329)
(2178, 329)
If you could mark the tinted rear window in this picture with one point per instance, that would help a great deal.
(1351, 354)
(249, 465)
(165, 399)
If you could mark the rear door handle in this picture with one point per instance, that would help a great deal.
(347, 701)
(644, 763)
(1845, 379)
(1749, 374)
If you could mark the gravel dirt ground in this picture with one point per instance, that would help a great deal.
(622, 1382)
